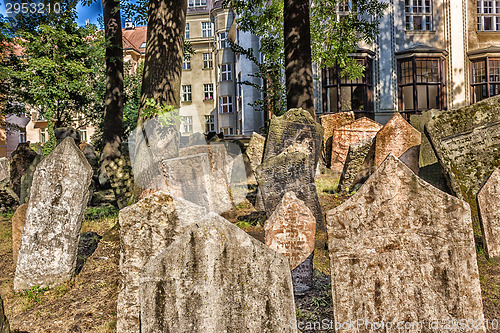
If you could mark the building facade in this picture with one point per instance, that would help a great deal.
(430, 54)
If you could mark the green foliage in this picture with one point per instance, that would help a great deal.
(167, 114)
(100, 212)
(132, 83)
(32, 294)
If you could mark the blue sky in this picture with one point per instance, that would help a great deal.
(90, 13)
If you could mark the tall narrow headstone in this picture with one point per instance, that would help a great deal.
(330, 122)
(399, 138)
(488, 200)
(255, 150)
(403, 251)
(354, 164)
(4, 168)
(346, 135)
(20, 160)
(27, 179)
(418, 121)
(467, 145)
(216, 278)
(146, 229)
(18, 221)
(58, 199)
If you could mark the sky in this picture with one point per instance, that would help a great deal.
(90, 13)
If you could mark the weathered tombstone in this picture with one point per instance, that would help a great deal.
(147, 228)
(399, 138)
(255, 150)
(27, 179)
(216, 278)
(467, 145)
(295, 126)
(62, 133)
(58, 198)
(291, 231)
(20, 160)
(418, 121)
(4, 168)
(4, 323)
(353, 164)
(18, 221)
(330, 122)
(346, 135)
(488, 200)
(197, 139)
(402, 250)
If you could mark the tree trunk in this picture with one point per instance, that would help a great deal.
(113, 103)
(298, 63)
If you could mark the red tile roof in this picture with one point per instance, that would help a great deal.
(134, 38)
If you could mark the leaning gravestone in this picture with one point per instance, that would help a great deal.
(296, 125)
(418, 121)
(147, 228)
(255, 150)
(488, 200)
(354, 164)
(330, 122)
(27, 179)
(401, 250)
(399, 138)
(467, 144)
(18, 221)
(4, 168)
(20, 160)
(291, 231)
(58, 198)
(346, 135)
(4, 323)
(216, 278)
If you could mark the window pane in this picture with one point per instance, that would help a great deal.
(421, 97)
(488, 23)
(417, 22)
(345, 99)
(433, 97)
(331, 96)
(407, 98)
(479, 92)
(494, 89)
(357, 98)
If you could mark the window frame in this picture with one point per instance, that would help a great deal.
(206, 32)
(196, 3)
(208, 61)
(186, 94)
(83, 134)
(186, 62)
(210, 91)
(440, 83)
(488, 81)
(43, 137)
(366, 84)
(222, 41)
(228, 103)
(187, 124)
(226, 74)
(229, 129)
(209, 123)
(493, 14)
(22, 136)
(418, 8)
(186, 31)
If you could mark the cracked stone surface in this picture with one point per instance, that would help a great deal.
(488, 200)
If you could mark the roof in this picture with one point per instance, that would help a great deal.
(133, 39)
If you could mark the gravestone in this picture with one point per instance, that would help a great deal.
(27, 179)
(295, 126)
(4, 168)
(488, 200)
(4, 323)
(291, 231)
(20, 160)
(346, 135)
(401, 250)
(147, 228)
(18, 221)
(216, 278)
(418, 121)
(399, 138)
(467, 145)
(62, 133)
(191, 177)
(354, 164)
(330, 122)
(255, 150)
(58, 199)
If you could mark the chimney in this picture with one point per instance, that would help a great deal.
(129, 25)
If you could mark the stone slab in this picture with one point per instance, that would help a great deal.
(146, 229)
(27, 179)
(18, 221)
(345, 136)
(418, 121)
(353, 164)
(488, 200)
(20, 160)
(398, 137)
(4, 168)
(4, 323)
(401, 250)
(255, 150)
(58, 199)
(216, 278)
(330, 122)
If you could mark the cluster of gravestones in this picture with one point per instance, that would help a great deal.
(400, 249)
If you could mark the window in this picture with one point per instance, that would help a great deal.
(225, 72)
(418, 15)
(227, 130)
(42, 134)
(223, 43)
(187, 124)
(225, 104)
(206, 29)
(186, 62)
(186, 31)
(488, 15)
(421, 84)
(485, 78)
(186, 93)
(83, 134)
(143, 45)
(342, 94)
(197, 3)
(207, 60)
(208, 90)
(22, 137)
(209, 124)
